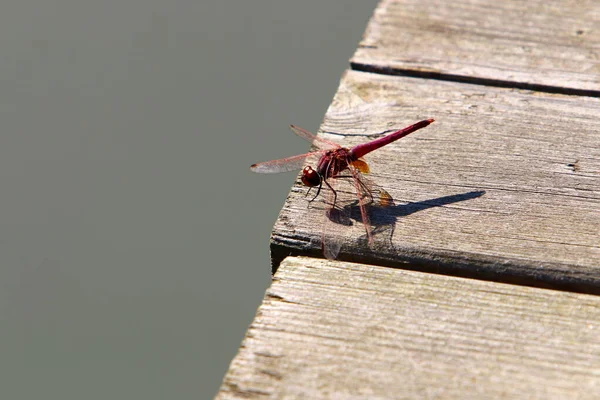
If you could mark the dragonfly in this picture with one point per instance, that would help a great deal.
(335, 163)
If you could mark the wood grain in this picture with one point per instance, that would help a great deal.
(505, 185)
(552, 46)
(350, 331)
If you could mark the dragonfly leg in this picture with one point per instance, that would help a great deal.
(307, 193)
(334, 192)
(318, 191)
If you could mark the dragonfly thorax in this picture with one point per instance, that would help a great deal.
(310, 177)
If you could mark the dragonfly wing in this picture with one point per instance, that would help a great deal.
(333, 218)
(378, 196)
(314, 139)
(362, 196)
(357, 197)
(378, 222)
(293, 163)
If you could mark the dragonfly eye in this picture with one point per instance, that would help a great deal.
(310, 177)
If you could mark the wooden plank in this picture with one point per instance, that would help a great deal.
(351, 331)
(505, 185)
(553, 46)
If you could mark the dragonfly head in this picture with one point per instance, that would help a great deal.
(310, 177)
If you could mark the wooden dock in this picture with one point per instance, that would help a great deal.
(484, 279)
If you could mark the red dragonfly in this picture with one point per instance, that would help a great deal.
(333, 160)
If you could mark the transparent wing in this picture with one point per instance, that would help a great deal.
(363, 195)
(373, 200)
(375, 194)
(368, 197)
(334, 218)
(349, 197)
(314, 139)
(293, 163)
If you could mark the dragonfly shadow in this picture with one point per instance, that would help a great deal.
(403, 210)
(383, 219)
(340, 216)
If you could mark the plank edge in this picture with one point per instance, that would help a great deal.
(547, 275)
(437, 75)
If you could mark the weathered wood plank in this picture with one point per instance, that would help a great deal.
(505, 185)
(349, 331)
(534, 44)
